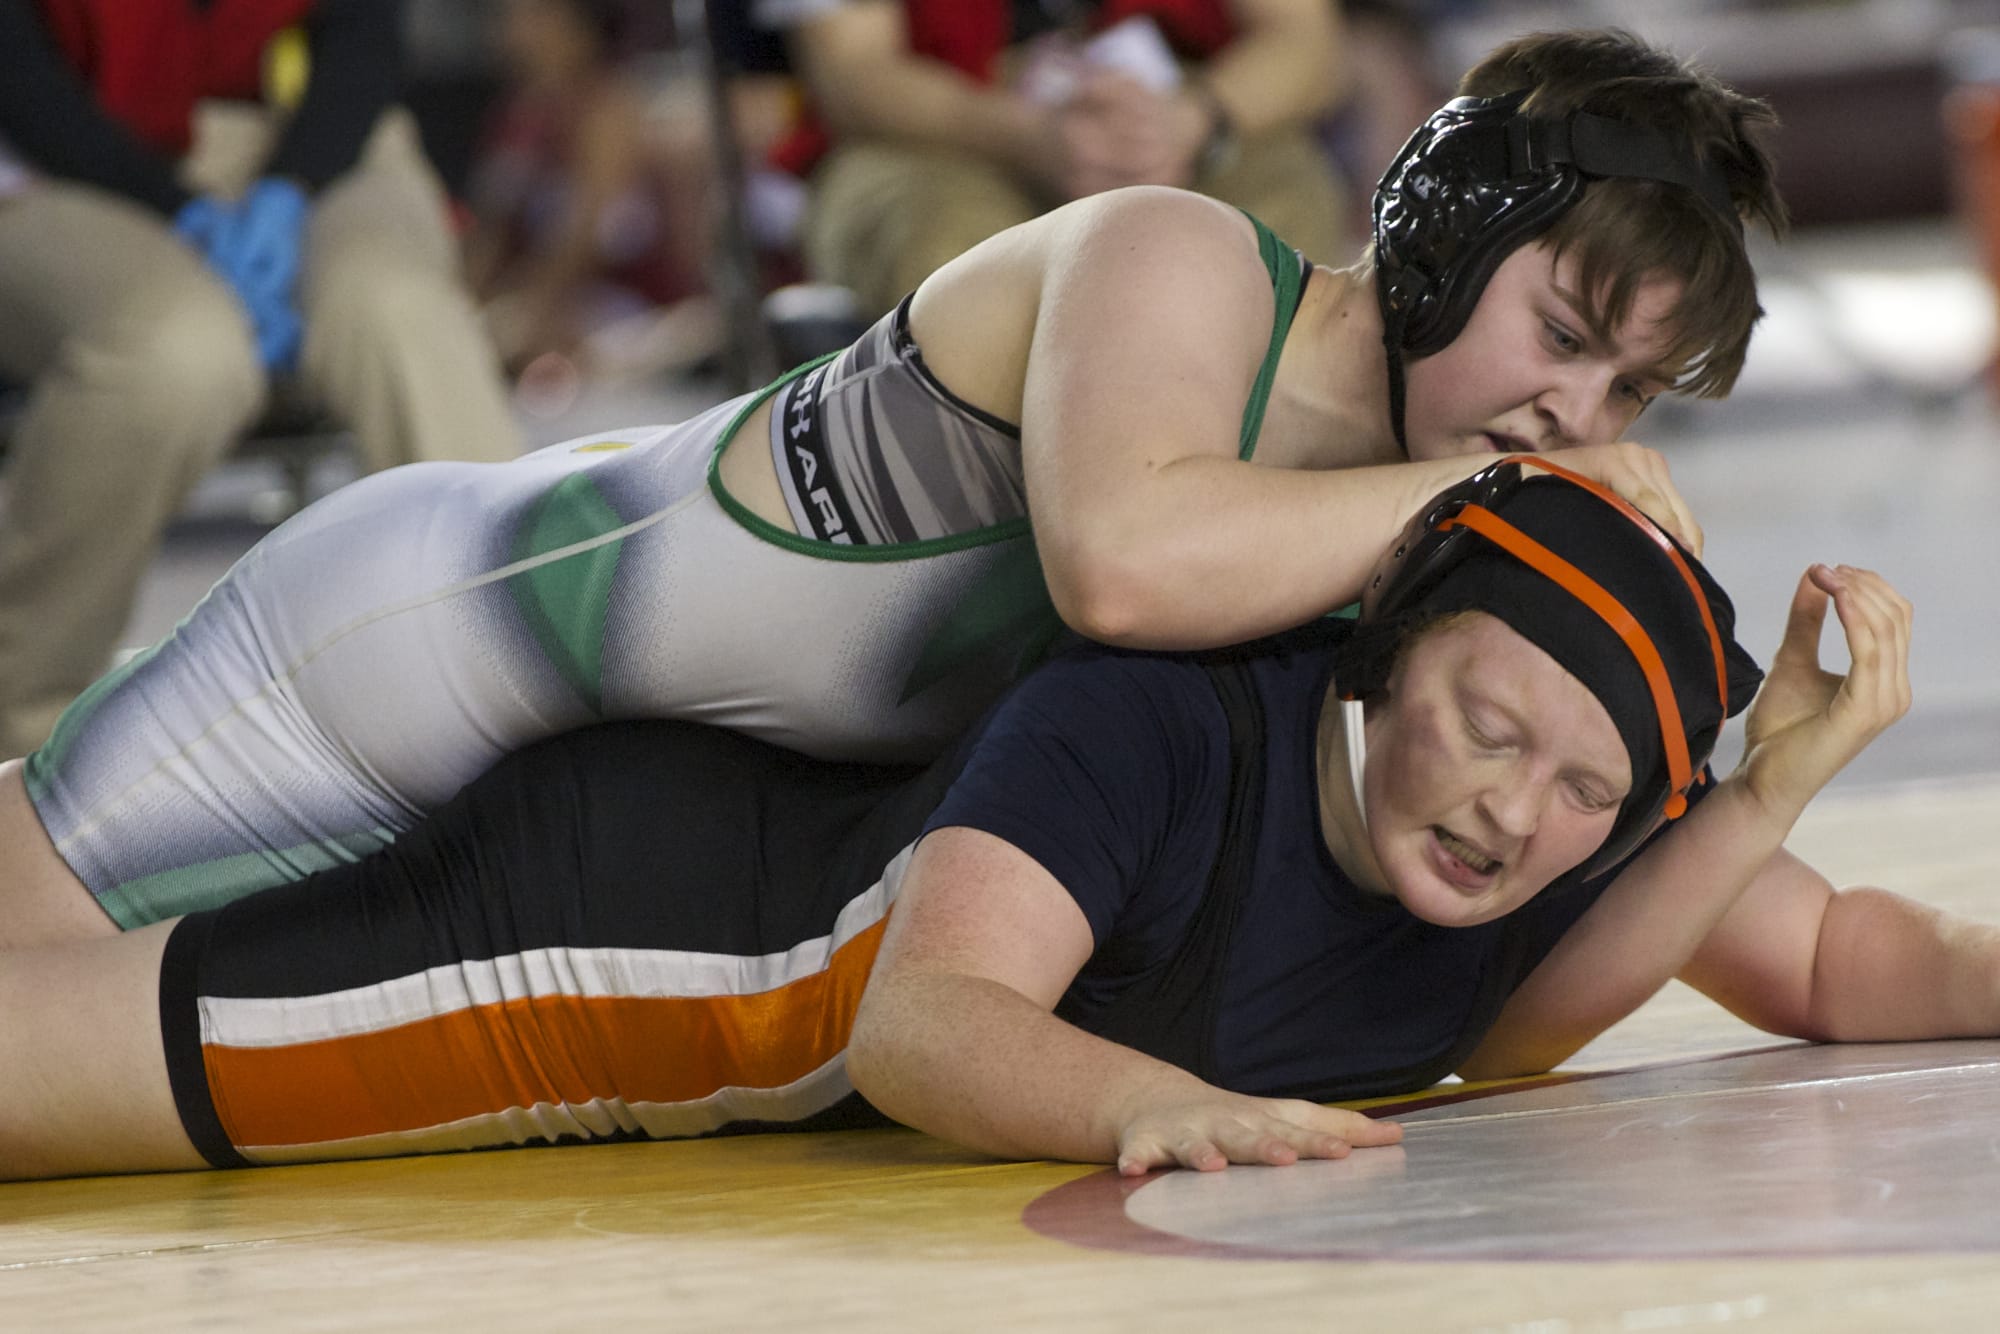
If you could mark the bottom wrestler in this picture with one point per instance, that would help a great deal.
(1161, 906)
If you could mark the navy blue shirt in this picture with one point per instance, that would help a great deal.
(1111, 769)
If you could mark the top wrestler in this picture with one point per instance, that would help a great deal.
(843, 564)
(1148, 914)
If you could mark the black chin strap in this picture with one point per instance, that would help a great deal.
(1392, 338)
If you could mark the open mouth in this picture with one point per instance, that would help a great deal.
(1465, 852)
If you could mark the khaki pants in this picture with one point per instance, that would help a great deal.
(142, 373)
(885, 216)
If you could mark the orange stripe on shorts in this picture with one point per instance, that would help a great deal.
(545, 1049)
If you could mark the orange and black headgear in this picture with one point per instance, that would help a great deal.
(1597, 586)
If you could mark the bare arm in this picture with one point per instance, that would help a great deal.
(1642, 932)
(1286, 65)
(955, 1035)
(533, 304)
(1798, 958)
(1153, 313)
(607, 160)
(1282, 68)
(1664, 909)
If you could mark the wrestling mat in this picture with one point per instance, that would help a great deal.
(1684, 1173)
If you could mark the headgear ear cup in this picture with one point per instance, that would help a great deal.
(1449, 208)
(1475, 182)
(1470, 518)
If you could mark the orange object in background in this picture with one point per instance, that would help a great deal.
(1972, 125)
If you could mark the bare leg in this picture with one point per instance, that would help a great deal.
(41, 900)
(83, 1071)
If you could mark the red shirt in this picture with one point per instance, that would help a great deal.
(970, 35)
(149, 61)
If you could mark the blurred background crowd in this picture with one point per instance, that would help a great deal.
(863, 142)
(467, 228)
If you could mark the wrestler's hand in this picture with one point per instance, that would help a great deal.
(1639, 475)
(1140, 137)
(1101, 140)
(1210, 1133)
(1806, 722)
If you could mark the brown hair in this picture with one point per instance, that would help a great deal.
(1624, 231)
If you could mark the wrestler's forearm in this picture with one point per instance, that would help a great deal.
(1209, 551)
(973, 1061)
(1643, 931)
(1149, 541)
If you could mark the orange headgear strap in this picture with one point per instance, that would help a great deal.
(1680, 770)
(1660, 539)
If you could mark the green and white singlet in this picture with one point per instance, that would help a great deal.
(390, 643)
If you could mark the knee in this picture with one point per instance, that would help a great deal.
(185, 359)
(380, 309)
(46, 903)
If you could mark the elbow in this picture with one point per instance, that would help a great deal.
(886, 1067)
(892, 1076)
(1105, 595)
(869, 1059)
(1104, 616)
(1478, 1070)
(1817, 1022)
(1820, 1008)
(1807, 1018)
(1522, 1054)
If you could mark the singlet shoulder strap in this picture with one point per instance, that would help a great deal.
(1171, 1014)
(1287, 269)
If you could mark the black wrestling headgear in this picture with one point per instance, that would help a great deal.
(1597, 586)
(1478, 180)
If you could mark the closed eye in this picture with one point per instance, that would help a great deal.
(1590, 800)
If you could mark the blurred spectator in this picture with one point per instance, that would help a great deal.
(451, 80)
(950, 120)
(200, 200)
(1972, 120)
(1395, 87)
(595, 197)
(590, 200)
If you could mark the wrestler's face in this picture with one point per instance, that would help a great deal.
(1528, 372)
(1490, 772)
